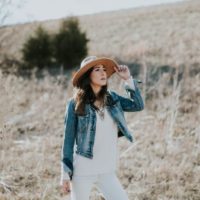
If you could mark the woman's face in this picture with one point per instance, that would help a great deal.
(98, 76)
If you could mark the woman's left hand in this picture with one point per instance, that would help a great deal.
(123, 71)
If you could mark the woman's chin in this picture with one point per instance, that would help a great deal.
(104, 84)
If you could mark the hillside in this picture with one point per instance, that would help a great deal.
(164, 34)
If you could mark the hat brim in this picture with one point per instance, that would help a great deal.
(107, 62)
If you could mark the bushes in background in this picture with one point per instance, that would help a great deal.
(37, 50)
(70, 45)
(65, 48)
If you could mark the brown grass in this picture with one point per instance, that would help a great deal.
(162, 164)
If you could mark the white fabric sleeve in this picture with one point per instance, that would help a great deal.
(130, 82)
(64, 176)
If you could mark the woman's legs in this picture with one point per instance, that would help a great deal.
(111, 187)
(81, 187)
(107, 183)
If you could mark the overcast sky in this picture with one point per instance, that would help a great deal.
(31, 10)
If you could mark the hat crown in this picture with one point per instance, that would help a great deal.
(88, 60)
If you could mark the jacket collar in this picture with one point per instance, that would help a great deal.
(111, 99)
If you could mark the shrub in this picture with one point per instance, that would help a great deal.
(65, 48)
(70, 44)
(37, 50)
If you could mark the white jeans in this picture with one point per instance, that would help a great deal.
(107, 183)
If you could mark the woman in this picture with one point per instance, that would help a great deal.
(94, 119)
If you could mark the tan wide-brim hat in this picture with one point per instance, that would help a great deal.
(91, 61)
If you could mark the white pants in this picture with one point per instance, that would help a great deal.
(108, 184)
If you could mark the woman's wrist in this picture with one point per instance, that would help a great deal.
(129, 82)
(129, 77)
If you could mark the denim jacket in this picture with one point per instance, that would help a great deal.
(80, 129)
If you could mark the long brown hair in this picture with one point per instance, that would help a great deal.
(84, 93)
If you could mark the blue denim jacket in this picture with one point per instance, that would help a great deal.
(80, 129)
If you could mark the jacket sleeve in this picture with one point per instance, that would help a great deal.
(70, 122)
(134, 101)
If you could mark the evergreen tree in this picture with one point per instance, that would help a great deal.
(70, 44)
(37, 50)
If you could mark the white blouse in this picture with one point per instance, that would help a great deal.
(104, 150)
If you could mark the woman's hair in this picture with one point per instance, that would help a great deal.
(84, 93)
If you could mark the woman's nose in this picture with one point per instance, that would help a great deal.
(103, 72)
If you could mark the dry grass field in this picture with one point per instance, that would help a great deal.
(164, 162)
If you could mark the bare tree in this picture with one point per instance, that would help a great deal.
(7, 7)
(4, 10)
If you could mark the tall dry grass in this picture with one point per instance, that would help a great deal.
(163, 163)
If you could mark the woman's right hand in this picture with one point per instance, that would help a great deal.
(66, 186)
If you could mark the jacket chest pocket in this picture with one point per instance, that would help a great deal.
(83, 122)
(117, 112)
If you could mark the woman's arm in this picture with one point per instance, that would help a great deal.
(70, 123)
(133, 102)
(129, 82)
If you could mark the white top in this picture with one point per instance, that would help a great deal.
(105, 149)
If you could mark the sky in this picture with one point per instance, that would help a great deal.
(23, 11)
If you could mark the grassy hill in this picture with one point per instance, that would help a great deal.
(164, 34)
